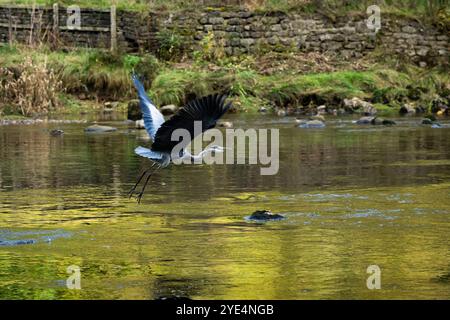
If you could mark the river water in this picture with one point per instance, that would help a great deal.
(353, 196)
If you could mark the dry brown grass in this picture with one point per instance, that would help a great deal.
(31, 89)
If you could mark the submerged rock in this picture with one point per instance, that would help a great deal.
(427, 121)
(311, 124)
(16, 242)
(56, 132)
(265, 215)
(99, 129)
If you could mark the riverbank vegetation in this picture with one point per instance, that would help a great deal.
(36, 80)
(289, 80)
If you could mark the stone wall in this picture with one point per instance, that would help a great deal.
(247, 32)
(236, 30)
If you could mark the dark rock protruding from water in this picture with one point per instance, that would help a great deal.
(365, 120)
(431, 121)
(384, 122)
(134, 110)
(265, 215)
(376, 121)
(427, 121)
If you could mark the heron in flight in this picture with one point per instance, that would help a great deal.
(208, 110)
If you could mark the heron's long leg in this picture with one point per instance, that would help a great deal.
(139, 197)
(130, 193)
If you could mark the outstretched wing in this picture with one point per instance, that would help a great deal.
(207, 110)
(153, 119)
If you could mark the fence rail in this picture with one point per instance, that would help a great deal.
(32, 18)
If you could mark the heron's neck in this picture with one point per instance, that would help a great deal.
(197, 157)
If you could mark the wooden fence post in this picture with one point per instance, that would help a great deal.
(55, 24)
(113, 28)
(10, 32)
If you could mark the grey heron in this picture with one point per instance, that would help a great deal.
(208, 110)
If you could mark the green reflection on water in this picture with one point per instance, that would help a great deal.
(321, 250)
(352, 198)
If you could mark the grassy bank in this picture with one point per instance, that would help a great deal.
(251, 81)
(415, 8)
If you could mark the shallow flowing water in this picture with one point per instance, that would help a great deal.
(353, 196)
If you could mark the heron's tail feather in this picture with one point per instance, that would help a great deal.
(147, 153)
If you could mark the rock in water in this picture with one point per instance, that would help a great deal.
(169, 109)
(427, 121)
(365, 120)
(265, 215)
(56, 132)
(385, 122)
(139, 124)
(99, 129)
(312, 124)
(388, 122)
(134, 110)
(225, 124)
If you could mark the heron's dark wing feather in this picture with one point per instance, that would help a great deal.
(208, 110)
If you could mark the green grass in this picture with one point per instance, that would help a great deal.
(251, 90)
(410, 8)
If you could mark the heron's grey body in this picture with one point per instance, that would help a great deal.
(207, 110)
